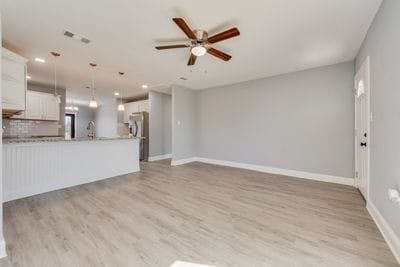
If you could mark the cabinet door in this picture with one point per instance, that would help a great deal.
(130, 108)
(34, 106)
(144, 106)
(13, 85)
(51, 108)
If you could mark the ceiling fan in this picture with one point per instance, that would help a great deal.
(200, 43)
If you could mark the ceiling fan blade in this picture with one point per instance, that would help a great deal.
(224, 35)
(184, 27)
(219, 54)
(192, 59)
(170, 46)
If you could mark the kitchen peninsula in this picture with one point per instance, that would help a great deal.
(39, 165)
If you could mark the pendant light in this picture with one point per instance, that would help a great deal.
(56, 94)
(121, 106)
(93, 102)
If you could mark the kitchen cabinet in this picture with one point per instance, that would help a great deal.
(144, 105)
(40, 106)
(13, 82)
(132, 107)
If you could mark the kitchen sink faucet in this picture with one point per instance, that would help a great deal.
(92, 130)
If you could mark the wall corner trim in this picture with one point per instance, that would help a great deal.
(265, 169)
(388, 234)
(183, 161)
(160, 157)
(3, 252)
(291, 173)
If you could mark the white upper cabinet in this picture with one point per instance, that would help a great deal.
(34, 106)
(144, 105)
(51, 107)
(133, 107)
(40, 106)
(13, 81)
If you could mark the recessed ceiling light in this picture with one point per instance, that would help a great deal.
(116, 94)
(28, 77)
(145, 86)
(41, 60)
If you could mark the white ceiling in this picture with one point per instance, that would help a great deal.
(277, 36)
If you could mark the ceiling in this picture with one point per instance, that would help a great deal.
(277, 36)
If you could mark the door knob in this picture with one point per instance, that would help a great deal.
(363, 144)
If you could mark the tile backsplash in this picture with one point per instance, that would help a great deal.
(27, 128)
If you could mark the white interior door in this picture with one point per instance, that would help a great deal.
(362, 120)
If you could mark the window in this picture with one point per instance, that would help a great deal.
(360, 88)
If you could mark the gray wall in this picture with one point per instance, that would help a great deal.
(106, 119)
(383, 46)
(184, 136)
(84, 115)
(300, 121)
(160, 123)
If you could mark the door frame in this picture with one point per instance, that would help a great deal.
(365, 64)
(73, 128)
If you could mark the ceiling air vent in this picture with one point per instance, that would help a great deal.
(76, 37)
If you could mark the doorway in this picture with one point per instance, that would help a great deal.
(362, 128)
(70, 126)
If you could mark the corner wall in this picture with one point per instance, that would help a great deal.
(106, 120)
(300, 121)
(2, 242)
(84, 115)
(184, 124)
(382, 45)
(160, 125)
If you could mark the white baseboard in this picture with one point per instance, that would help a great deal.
(3, 252)
(183, 161)
(292, 173)
(160, 157)
(388, 234)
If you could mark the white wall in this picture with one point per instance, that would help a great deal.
(160, 124)
(300, 121)
(2, 242)
(382, 44)
(184, 123)
(106, 120)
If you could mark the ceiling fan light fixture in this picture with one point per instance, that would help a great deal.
(199, 50)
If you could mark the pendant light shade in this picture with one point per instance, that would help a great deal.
(121, 106)
(93, 102)
(56, 94)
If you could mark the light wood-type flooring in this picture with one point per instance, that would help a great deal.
(197, 213)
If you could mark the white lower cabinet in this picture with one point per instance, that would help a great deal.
(40, 106)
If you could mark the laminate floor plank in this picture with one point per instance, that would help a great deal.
(197, 213)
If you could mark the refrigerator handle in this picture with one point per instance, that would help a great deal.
(135, 128)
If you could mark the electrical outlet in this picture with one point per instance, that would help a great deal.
(394, 196)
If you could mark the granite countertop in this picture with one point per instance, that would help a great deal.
(61, 139)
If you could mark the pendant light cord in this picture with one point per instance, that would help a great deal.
(55, 76)
(93, 66)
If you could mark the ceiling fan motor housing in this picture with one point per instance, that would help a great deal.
(201, 36)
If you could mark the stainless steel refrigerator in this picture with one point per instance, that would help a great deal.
(139, 127)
